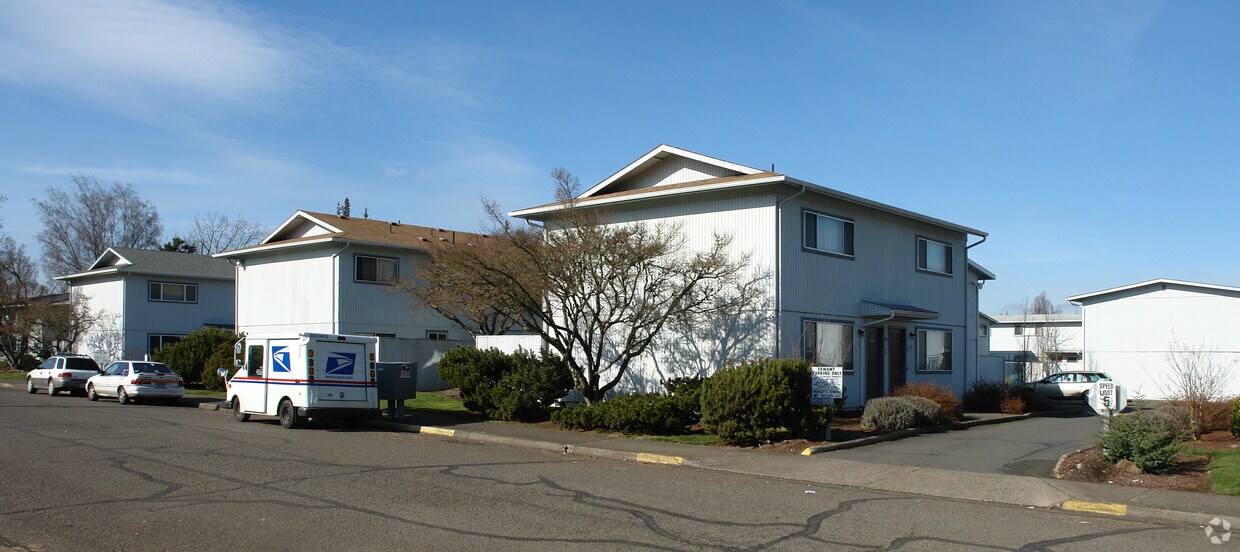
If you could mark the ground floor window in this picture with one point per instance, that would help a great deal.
(437, 334)
(829, 344)
(934, 351)
(156, 342)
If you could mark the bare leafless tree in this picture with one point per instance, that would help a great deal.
(446, 284)
(79, 224)
(215, 232)
(19, 286)
(600, 293)
(1196, 377)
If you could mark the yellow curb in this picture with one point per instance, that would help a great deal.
(1107, 508)
(808, 452)
(438, 431)
(659, 459)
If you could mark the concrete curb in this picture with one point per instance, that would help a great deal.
(1120, 509)
(905, 433)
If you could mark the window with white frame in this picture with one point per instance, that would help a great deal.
(828, 234)
(375, 270)
(829, 344)
(171, 292)
(437, 334)
(934, 256)
(934, 351)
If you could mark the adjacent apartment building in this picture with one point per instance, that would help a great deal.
(885, 292)
(144, 299)
(1037, 345)
(1136, 333)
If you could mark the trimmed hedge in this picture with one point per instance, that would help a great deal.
(940, 394)
(1147, 438)
(753, 401)
(903, 412)
(520, 386)
(640, 413)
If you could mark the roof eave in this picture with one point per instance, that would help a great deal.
(654, 192)
(263, 248)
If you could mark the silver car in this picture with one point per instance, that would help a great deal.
(62, 372)
(1067, 385)
(130, 380)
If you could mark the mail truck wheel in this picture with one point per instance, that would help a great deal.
(288, 415)
(237, 413)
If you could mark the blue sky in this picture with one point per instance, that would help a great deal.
(1097, 142)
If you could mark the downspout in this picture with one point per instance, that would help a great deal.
(336, 288)
(779, 272)
(977, 304)
(968, 247)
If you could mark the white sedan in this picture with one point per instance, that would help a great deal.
(130, 380)
(1066, 385)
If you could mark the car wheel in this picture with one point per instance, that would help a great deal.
(121, 396)
(90, 392)
(51, 389)
(288, 415)
(237, 414)
(30, 386)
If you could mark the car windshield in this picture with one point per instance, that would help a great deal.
(81, 364)
(150, 368)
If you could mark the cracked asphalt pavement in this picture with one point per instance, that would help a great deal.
(79, 475)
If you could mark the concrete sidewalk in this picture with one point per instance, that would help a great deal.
(1034, 492)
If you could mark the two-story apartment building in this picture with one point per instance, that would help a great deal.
(142, 300)
(885, 292)
(1037, 345)
(319, 272)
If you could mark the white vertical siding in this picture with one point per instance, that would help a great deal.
(289, 292)
(106, 300)
(1129, 335)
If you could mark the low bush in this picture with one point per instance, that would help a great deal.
(686, 394)
(752, 401)
(986, 396)
(188, 357)
(221, 358)
(1013, 405)
(520, 386)
(1235, 417)
(940, 394)
(1216, 416)
(902, 412)
(1150, 439)
(647, 413)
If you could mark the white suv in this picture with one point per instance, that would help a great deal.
(62, 373)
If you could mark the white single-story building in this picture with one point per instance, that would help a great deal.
(1038, 344)
(144, 299)
(1137, 332)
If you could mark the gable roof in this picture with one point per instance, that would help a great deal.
(126, 260)
(612, 190)
(1207, 288)
(308, 228)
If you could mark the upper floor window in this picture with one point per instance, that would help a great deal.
(437, 334)
(934, 351)
(828, 234)
(829, 344)
(983, 330)
(934, 256)
(379, 270)
(174, 293)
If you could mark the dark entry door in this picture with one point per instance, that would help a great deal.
(873, 363)
(896, 369)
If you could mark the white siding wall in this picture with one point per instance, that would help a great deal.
(379, 308)
(674, 170)
(749, 217)
(287, 292)
(106, 300)
(1003, 337)
(1129, 335)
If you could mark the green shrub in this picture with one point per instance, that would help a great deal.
(903, 412)
(888, 414)
(686, 394)
(1235, 417)
(221, 358)
(647, 413)
(1147, 438)
(188, 357)
(940, 394)
(520, 386)
(753, 401)
(986, 396)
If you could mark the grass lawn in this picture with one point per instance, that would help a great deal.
(1224, 470)
(19, 376)
(432, 402)
(204, 393)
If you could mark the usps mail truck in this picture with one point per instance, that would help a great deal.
(304, 375)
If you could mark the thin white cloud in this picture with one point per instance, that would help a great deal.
(395, 172)
(122, 174)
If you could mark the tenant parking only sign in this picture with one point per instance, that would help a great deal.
(827, 385)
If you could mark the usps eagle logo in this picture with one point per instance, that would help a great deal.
(280, 359)
(340, 364)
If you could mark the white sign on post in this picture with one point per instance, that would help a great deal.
(1107, 397)
(827, 385)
